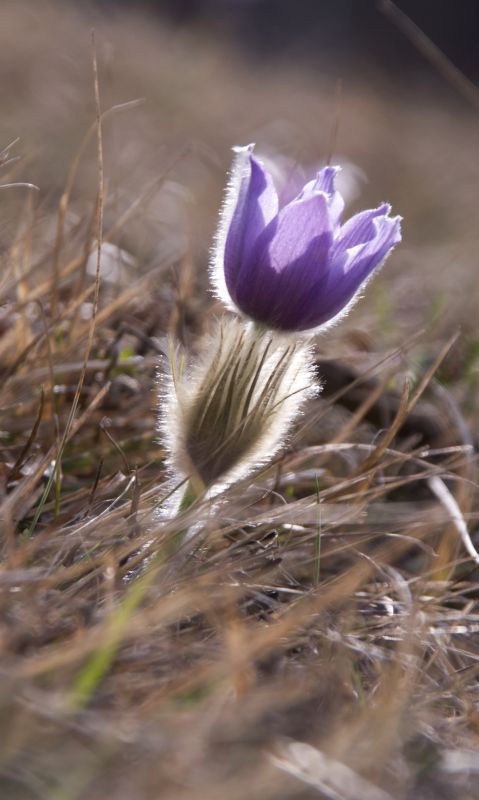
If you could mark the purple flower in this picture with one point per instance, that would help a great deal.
(297, 267)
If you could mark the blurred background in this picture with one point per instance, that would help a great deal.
(338, 33)
(308, 81)
(177, 706)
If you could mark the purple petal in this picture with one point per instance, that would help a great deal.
(352, 268)
(386, 234)
(277, 299)
(256, 206)
(303, 233)
(289, 258)
(359, 229)
(296, 269)
(276, 287)
(324, 182)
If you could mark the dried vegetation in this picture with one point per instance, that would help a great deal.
(318, 634)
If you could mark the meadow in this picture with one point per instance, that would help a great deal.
(318, 634)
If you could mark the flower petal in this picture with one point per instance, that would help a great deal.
(297, 269)
(275, 299)
(352, 268)
(256, 206)
(275, 288)
(324, 182)
(304, 234)
(359, 229)
(289, 257)
(386, 234)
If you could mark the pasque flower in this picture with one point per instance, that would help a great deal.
(289, 267)
(296, 267)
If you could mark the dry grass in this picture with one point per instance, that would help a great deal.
(319, 635)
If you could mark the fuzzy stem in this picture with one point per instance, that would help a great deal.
(259, 329)
(190, 496)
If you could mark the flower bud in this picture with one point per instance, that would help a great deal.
(232, 410)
